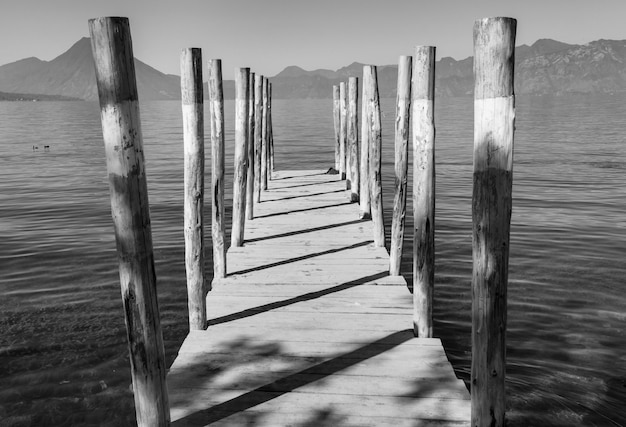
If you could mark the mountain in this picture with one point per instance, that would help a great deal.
(545, 67)
(72, 74)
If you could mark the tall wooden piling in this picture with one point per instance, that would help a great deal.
(343, 128)
(365, 211)
(192, 94)
(242, 76)
(270, 130)
(494, 120)
(423, 117)
(353, 139)
(375, 158)
(121, 130)
(258, 104)
(216, 113)
(403, 105)
(250, 147)
(337, 123)
(264, 135)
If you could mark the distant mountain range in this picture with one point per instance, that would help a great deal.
(546, 67)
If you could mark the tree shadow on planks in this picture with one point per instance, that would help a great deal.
(304, 371)
(308, 230)
(301, 258)
(314, 208)
(300, 298)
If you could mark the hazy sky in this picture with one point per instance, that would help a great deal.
(268, 35)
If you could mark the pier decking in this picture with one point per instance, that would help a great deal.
(308, 328)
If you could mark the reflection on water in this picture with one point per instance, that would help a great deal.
(63, 356)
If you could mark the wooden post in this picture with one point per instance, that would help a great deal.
(375, 154)
(494, 123)
(192, 94)
(264, 138)
(423, 113)
(216, 112)
(337, 123)
(270, 129)
(365, 210)
(343, 127)
(403, 105)
(242, 76)
(258, 103)
(353, 139)
(121, 130)
(250, 147)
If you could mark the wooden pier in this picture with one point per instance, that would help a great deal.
(309, 329)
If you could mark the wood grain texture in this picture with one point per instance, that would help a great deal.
(310, 329)
(264, 135)
(375, 159)
(258, 127)
(337, 124)
(123, 143)
(423, 189)
(403, 106)
(216, 113)
(270, 131)
(494, 124)
(353, 139)
(242, 78)
(250, 147)
(193, 147)
(365, 210)
(343, 128)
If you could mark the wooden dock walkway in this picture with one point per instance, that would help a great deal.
(308, 329)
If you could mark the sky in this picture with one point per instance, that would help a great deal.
(268, 35)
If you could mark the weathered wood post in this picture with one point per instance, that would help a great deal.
(423, 114)
(216, 113)
(192, 94)
(365, 211)
(494, 123)
(337, 123)
(353, 139)
(264, 135)
(112, 50)
(343, 128)
(403, 105)
(250, 147)
(270, 129)
(375, 157)
(258, 126)
(242, 76)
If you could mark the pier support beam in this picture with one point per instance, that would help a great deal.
(337, 123)
(250, 148)
(192, 94)
(494, 123)
(216, 112)
(353, 139)
(242, 76)
(423, 117)
(343, 128)
(365, 210)
(403, 105)
(114, 64)
(258, 126)
(264, 136)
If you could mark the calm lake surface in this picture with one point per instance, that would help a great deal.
(63, 353)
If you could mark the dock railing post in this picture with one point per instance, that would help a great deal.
(112, 50)
(242, 77)
(375, 157)
(271, 129)
(353, 139)
(258, 126)
(423, 118)
(216, 113)
(365, 211)
(494, 124)
(403, 105)
(337, 123)
(343, 128)
(264, 135)
(250, 148)
(192, 94)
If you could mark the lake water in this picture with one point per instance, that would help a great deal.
(63, 353)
